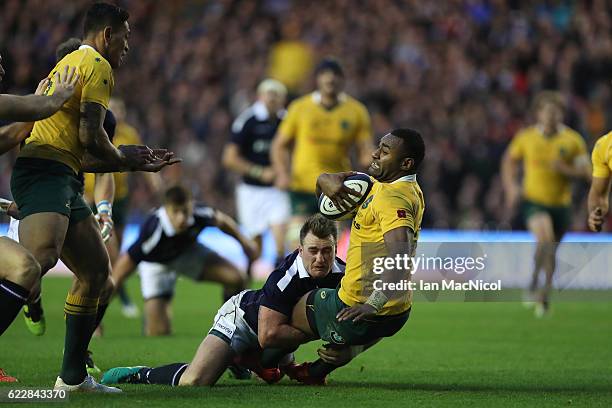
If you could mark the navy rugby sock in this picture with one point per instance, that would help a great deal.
(12, 298)
(167, 375)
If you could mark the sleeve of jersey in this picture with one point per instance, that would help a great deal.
(139, 249)
(239, 129)
(516, 147)
(600, 164)
(98, 84)
(288, 127)
(276, 298)
(395, 211)
(205, 216)
(365, 126)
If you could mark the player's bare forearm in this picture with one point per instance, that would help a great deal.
(93, 136)
(280, 153)
(29, 108)
(104, 189)
(13, 134)
(509, 172)
(398, 242)
(598, 194)
(275, 331)
(232, 160)
(122, 269)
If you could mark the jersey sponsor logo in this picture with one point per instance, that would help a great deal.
(356, 225)
(367, 202)
(401, 214)
(336, 338)
(323, 294)
(345, 124)
(98, 59)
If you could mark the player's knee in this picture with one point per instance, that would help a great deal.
(26, 271)
(234, 279)
(268, 338)
(107, 290)
(47, 259)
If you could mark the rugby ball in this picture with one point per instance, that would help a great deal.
(361, 183)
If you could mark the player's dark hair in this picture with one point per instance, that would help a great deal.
(329, 64)
(413, 145)
(65, 48)
(102, 15)
(320, 227)
(177, 195)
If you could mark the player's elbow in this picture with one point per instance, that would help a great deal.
(268, 337)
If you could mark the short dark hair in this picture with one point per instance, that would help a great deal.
(329, 64)
(177, 195)
(320, 227)
(102, 15)
(413, 144)
(65, 48)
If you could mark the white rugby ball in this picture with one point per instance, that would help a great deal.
(359, 182)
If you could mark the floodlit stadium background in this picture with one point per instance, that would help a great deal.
(462, 72)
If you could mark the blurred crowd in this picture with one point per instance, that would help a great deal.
(461, 72)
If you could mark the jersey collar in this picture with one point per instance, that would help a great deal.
(301, 268)
(408, 177)
(260, 111)
(316, 97)
(166, 224)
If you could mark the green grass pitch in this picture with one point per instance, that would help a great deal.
(448, 354)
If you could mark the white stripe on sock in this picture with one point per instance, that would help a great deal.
(17, 295)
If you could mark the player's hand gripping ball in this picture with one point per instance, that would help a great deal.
(361, 184)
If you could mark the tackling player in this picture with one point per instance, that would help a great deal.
(253, 317)
(167, 246)
(599, 194)
(552, 155)
(56, 220)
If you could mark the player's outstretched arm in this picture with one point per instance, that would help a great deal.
(95, 139)
(13, 134)
(226, 224)
(598, 202)
(30, 108)
(122, 270)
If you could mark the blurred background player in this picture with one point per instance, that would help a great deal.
(125, 134)
(317, 136)
(260, 205)
(19, 270)
(167, 247)
(599, 194)
(552, 155)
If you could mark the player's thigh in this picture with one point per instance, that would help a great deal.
(17, 264)
(540, 224)
(85, 251)
(215, 268)
(43, 234)
(211, 360)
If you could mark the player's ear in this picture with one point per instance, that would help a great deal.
(108, 33)
(407, 163)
